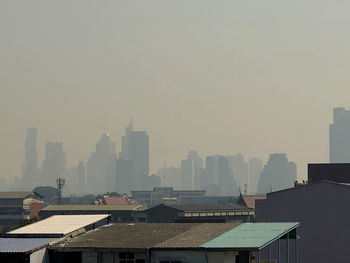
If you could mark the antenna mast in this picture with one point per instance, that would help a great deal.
(60, 183)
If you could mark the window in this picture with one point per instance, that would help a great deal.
(128, 257)
(141, 219)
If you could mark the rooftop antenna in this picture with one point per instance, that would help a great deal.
(60, 183)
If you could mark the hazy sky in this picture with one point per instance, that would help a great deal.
(217, 76)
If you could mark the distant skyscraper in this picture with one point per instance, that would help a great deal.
(239, 168)
(81, 187)
(278, 174)
(254, 170)
(187, 174)
(30, 166)
(124, 176)
(219, 170)
(54, 164)
(198, 165)
(171, 177)
(135, 148)
(101, 170)
(339, 136)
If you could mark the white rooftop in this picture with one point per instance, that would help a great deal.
(59, 224)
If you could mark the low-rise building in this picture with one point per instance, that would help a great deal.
(178, 243)
(15, 206)
(29, 243)
(222, 213)
(119, 213)
(160, 195)
(321, 209)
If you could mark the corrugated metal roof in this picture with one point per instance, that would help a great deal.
(197, 236)
(143, 236)
(22, 245)
(251, 235)
(91, 207)
(59, 224)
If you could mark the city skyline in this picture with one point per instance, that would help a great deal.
(216, 77)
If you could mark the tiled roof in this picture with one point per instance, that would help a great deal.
(20, 245)
(250, 199)
(90, 207)
(210, 207)
(143, 236)
(116, 200)
(58, 225)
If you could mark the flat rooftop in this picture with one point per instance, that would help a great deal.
(91, 207)
(59, 225)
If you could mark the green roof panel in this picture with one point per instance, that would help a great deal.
(251, 235)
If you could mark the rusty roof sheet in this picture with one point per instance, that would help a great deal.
(250, 199)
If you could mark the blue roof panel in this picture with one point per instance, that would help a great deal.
(22, 245)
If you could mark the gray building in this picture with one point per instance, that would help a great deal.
(30, 171)
(339, 136)
(187, 174)
(218, 169)
(54, 164)
(335, 172)
(101, 168)
(135, 148)
(321, 209)
(255, 166)
(278, 174)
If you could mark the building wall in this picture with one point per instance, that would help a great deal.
(190, 256)
(224, 257)
(335, 172)
(321, 209)
(40, 256)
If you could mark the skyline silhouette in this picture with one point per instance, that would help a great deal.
(216, 77)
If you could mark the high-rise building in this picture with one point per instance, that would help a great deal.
(30, 167)
(101, 174)
(254, 169)
(218, 169)
(54, 164)
(81, 187)
(124, 176)
(278, 174)
(135, 148)
(187, 174)
(198, 165)
(239, 168)
(170, 176)
(339, 136)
